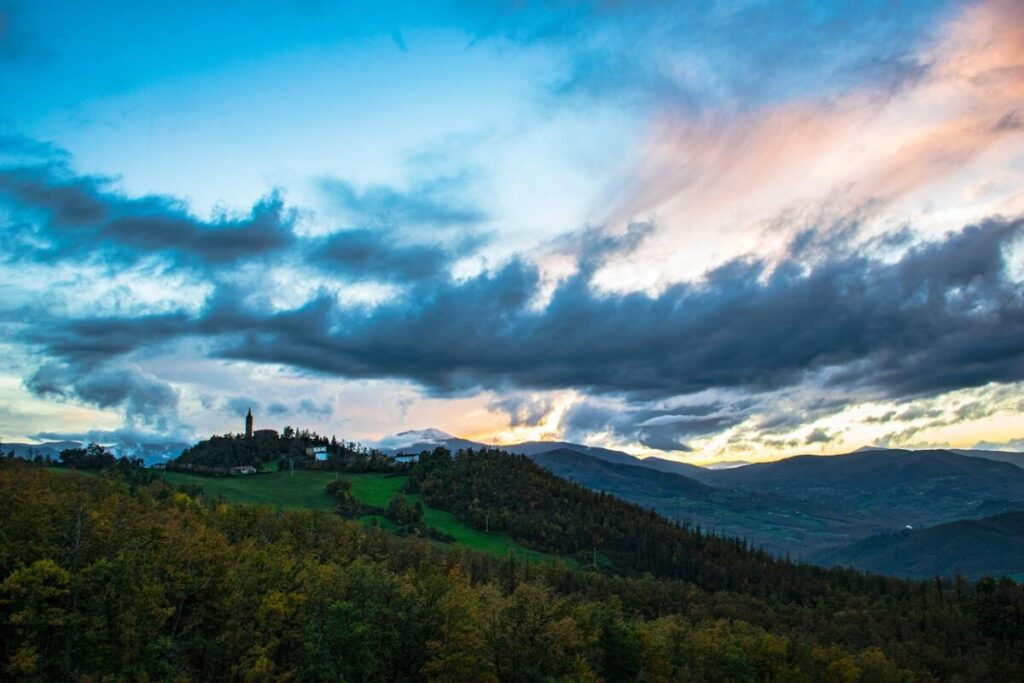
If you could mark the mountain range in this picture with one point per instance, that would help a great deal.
(828, 509)
(894, 511)
(151, 453)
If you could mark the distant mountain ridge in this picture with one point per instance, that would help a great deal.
(999, 456)
(779, 525)
(419, 440)
(150, 453)
(920, 488)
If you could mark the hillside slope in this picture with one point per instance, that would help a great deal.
(779, 525)
(992, 546)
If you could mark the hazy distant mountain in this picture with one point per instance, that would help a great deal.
(726, 464)
(999, 456)
(921, 488)
(992, 546)
(623, 480)
(665, 465)
(777, 524)
(30, 450)
(415, 441)
(151, 453)
(530, 448)
(419, 440)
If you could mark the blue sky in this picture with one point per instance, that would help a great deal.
(709, 230)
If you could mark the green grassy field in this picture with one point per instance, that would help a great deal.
(305, 489)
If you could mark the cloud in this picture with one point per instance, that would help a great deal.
(652, 425)
(20, 146)
(944, 315)
(818, 436)
(741, 54)
(522, 411)
(153, 447)
(145, 399)
(373, 254)
(241, 405)
(308, 406)
(721, 178)
(1012, 445)
(436, 202)
(78, 215)
(277, 408)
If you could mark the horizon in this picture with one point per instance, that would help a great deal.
(716, 233)
(390, 444)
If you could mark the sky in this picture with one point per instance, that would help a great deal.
(702, 230)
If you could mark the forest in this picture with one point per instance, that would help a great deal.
(107, 577)
(268, 450)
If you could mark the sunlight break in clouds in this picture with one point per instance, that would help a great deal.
(737, 230)
(723, 183)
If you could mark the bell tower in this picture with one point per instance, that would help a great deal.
(248, 425)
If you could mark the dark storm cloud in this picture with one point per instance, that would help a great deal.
(945, 315)
(662, 442)
(81, 214)
(818, 436)
(594, 247)
(660, 429)
(89, 342)
(522, 411)
(145, 399)
(367, 253)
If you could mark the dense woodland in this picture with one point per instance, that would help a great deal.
(109, 578)
(936, 621)
(218, 454)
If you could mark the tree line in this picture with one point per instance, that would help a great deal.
(268, 451)
(104, 582)
(103, 578)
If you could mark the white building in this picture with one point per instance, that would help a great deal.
(318, 452)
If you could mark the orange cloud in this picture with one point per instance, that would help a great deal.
(718, 184)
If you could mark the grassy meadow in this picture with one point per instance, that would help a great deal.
(305, 489)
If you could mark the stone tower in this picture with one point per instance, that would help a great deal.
(248, 425)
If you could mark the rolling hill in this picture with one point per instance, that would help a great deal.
(992, 546)
(779, 525)
(894, 487)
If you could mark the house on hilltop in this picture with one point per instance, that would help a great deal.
(319, 453)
